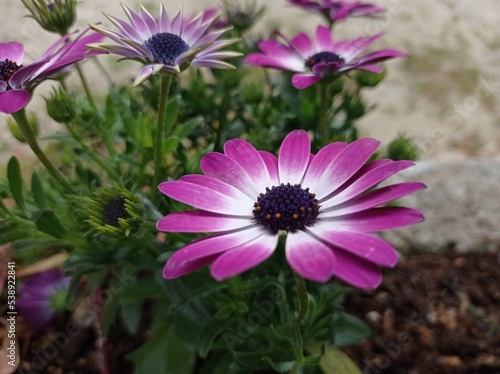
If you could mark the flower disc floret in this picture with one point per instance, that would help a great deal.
(324, 58)
(166, 47)
(286, 207)
(7, 68)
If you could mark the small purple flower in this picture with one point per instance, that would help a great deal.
(322, 58)
(42, 296)
(339, 10)
(17, 81)
(167, 45)
(326, 205)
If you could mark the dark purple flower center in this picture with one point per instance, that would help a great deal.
(7, 68)
(166, 47)
(324, 58)
(286, 207)
(115, 210)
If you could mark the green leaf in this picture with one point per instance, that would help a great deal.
(348, 330)
(163, 353)
(38, 190)
(188, 127)
(170, 144)
(333, 360)
(172, 112)
(139, 290)
(280, 367)
(131, 316)
(46, 221)
(16, 182)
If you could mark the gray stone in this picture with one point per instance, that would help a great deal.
(461, 207)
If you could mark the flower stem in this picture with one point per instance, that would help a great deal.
(160, 133)
(85, 85)
(323, 114)
(29, 136)
(93, 155)
(300, 287)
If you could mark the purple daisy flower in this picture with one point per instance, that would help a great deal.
(339, 10)
(42, 296)
(17, 81)
(167, 45)
(315, 60)
(325, 203)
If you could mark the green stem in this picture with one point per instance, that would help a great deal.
(160, 133)
(85, 85)
(323, 114)
(29, 136)
(300, 287)
(92, 154)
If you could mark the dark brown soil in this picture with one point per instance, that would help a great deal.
(432, 314)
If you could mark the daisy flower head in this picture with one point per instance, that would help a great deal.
(314, 60)
(324, 203)
(17, 81)
(42, 296)
(165, 44)
(339, 10)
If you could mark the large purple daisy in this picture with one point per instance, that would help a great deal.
(315, 60)
(17, 81)
(339, 10)
(167, 45)
(324, 203)
(42, 296)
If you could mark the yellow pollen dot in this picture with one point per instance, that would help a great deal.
(302, 208)
(258, 207)
(295, 216)
(268, 216)
(277, 215)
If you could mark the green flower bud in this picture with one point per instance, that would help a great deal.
(115, 212)
(242, 16)
(366, 78)
(55, 16)
(16, 131)
(61, 106)
(355, 107)
(402, 148)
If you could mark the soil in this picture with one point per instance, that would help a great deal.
(432, 314)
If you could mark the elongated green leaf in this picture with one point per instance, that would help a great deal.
(170, 144)
(163, 353)
(38, 190)
(131, 315)
(16, 182)
(348, 330)
(188, 127)
(47, 221)
(333, 360)
(172, 112)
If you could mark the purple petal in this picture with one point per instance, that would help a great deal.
(303, 45)
(356, 271)
(379, 56)
(323, 39)
(374, 198)
(376, 219)
(304, 80)
(13, 100)
(309, 257)
(260, 59)
(366, 179)
(366, 246)
(294, 157)
(226, 169)
(201, 221)
(13, 51)
(342, 167)
(245, 257)
(188, 258)
(215, 197)
(320, 162)
(272, 166)
(249, 159)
